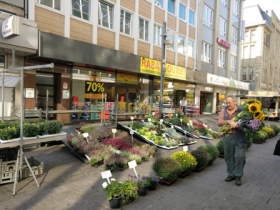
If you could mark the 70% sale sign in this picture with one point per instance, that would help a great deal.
(94, 89)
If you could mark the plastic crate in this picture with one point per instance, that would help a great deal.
(36, 166)
(7, 177)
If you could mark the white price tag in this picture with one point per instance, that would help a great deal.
(85, 135)
(153, 113)
(185, 148)
(114, 130)
(149, 119)
(172, 126)
(132, 118)
(161, 120)
(132, 164)
(106, 174)
(131, 132)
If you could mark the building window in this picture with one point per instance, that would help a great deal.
(191, 48)
(55, 4)
(224, 2)
(266, 39)
(221, 58)
(253, 36)
(235, 7)
(233, 63)
(126, 22)
(182, 11)
(244, 73)
(157, 35)
(105, 15)
(80, 9)
(245, 52)
(206, 52)
(143, 29)
(191, 17)
(251, 73)
(159, 3)
(171, 6)
(181, 44)
(207, 16)
(234, 35)
(252, 51)
(223, 27)
(247, 36)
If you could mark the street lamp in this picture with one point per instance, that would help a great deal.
(163, 60)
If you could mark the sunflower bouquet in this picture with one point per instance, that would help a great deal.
(250, 119)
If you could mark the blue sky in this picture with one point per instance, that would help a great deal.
(266, 5)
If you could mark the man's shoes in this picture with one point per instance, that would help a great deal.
(229, 179)
(238, 181)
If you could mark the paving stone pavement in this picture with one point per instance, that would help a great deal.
(68, 183)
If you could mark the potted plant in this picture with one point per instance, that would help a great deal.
(187, 161)
(167, 169)
(212, 151)
(129, 189)
(153, 181)
(53, 127)
(202, 158)
(114, 193)
(141, 182)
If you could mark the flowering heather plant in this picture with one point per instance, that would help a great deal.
(167, 168)
(187, 161)
(117, 143)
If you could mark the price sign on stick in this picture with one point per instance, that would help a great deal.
(106, 175)
(114, 131)
(185, 148)
(133, 164)
(132, 132)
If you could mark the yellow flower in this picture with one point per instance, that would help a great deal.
(254, 107)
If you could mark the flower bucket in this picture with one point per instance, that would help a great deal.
(153, 186)
(142, 191)
(115, 203)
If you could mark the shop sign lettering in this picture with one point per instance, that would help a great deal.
(153, 67)
(127, 78)
(223, 42)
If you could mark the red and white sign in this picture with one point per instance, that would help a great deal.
(11, 27)
(223, 42)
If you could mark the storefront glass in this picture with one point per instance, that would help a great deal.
(168, 93)
(90, 89)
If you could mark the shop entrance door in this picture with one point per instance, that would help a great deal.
(127, 96)
(46, 82)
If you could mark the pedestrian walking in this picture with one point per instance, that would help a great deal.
(235, 141)
(183, 105)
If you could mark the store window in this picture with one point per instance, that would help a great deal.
(168, 93)
(55, 4)
(80, 9)
(90, 90)
(2, 62)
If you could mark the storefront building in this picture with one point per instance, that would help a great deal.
(19, 38)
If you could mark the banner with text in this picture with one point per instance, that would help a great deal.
(153, 67)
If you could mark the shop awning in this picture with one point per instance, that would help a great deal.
(10, 80)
